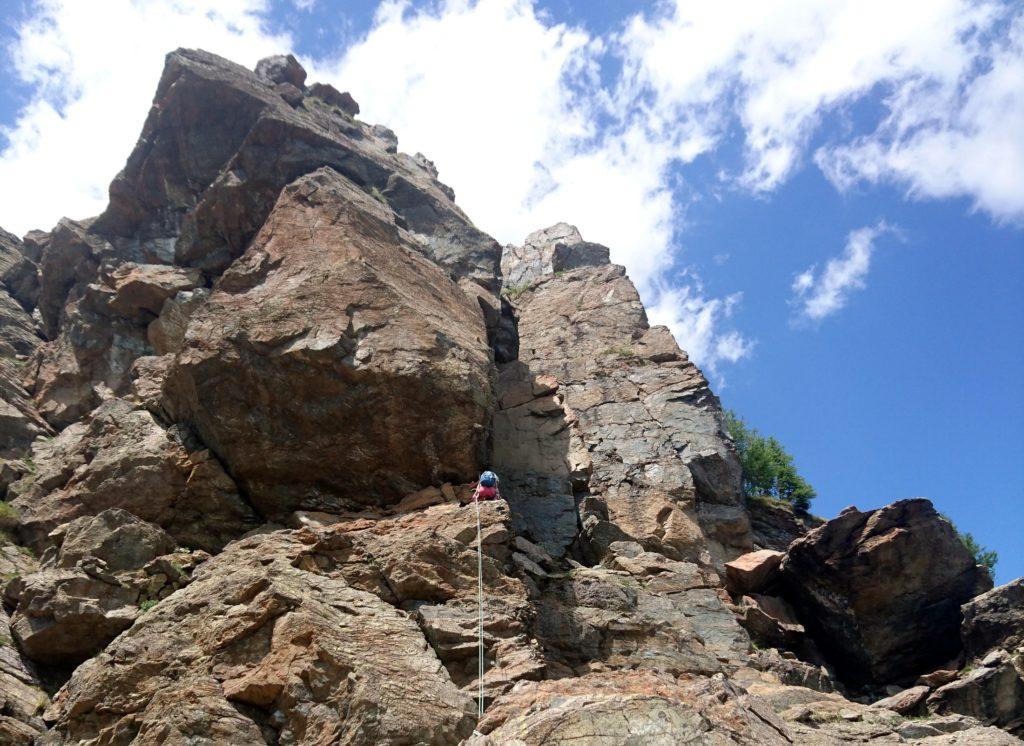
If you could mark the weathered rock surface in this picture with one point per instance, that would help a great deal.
(20, 423)
(640, 431)
(994, 620)
(19, 273)
(92, 584)
(282, 68)
(770, 621)
(991, 687)
(871, 586)
(992, 692)
(630, 707)
(753, 571)
(22, 699)
(384, 390)
(122, 458)
(272, 642)
(814, 717)
(115, 536)
(774, 525)
(281, 320)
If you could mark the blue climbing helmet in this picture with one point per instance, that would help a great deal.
(489, 479)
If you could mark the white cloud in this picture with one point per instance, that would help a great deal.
(95, 67)
(533, 122)
(698, 324)
(821, 294)
(777, 69)
(514, 131)
(950, 140)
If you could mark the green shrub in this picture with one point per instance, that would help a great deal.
(148, 604)
(982, 556)
(620, 351)
(768, 469)
(514, 292)
(9, 516)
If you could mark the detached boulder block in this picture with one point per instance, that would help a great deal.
(752, 572)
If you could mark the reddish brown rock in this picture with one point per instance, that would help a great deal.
(140, 290)
(122, 458)
(267, 643)
(384, 390)
(908, 702)
(770, 621)
(630, 707)
(99, 576)
(752, 572)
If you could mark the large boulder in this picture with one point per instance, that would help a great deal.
(218, 147)
(870, 586)
(220, 143)
(752, 572)
(115, 536)
(333, 364)
(282, 68)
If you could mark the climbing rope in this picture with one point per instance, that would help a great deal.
(480, 607)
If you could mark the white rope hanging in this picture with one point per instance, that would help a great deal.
(480, 606)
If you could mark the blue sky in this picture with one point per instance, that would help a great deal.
(824, 200)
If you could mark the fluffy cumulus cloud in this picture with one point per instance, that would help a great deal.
(516, 113)
(951, 74)
(953, 135)
(821, 293)
(700, 320)
(533, 121)
(92, 71)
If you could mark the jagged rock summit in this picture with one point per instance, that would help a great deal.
(242, 412)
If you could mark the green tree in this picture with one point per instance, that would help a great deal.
(982, 556)
(768, 469)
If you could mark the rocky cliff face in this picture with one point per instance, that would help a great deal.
(242, 410)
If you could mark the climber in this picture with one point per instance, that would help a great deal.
(487, 487)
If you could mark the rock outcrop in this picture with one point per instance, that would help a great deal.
(242, 412)
(383, 391)
(633, 434)
(991, 686)
(870, 586)
(20, 423)
(93, 583)
(775, 525)
(120, 457)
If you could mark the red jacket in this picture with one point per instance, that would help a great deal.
(485, 493)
